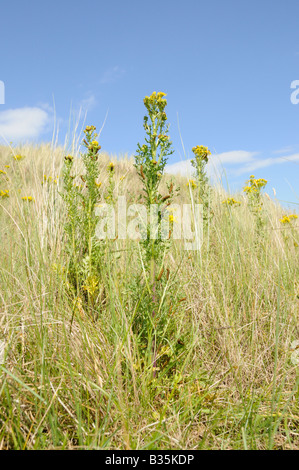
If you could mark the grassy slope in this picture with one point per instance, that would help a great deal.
(63, 387)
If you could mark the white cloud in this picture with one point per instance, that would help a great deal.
(22, 123)
(283, 150)
(241, 160)
(216, 161)
(183, 168)
(234, 157)
(88, 103)
(262, 163)
(112, 74)
(291, 158)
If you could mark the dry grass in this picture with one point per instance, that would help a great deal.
(82, 386)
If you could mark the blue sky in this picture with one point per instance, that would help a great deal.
(226, 66)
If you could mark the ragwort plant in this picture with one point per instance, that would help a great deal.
(288, 222)
(4, 193)
(202, 186)
(253, 190)
(81, 195)
(153, 324)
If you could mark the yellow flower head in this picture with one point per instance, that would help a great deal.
(4, 193)
(111, 167)
(255, 185)
(261, 182)
(192, 183)
(89, 129)
(247, 189)
(28, 198)
(288, 218)
(50, 179)
(18, 157)
(156, 102)
(94, 146)
(91, 285)
(231, 202)
(201, 152)
(172, 218)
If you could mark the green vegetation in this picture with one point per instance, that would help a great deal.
(127, 344)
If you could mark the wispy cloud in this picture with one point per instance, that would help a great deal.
(235, 162)
(22, 123)
(262, 163)
(216, 162)
(112, 74)
(88, 103)
(234, 157)
(284, 150)
(183, 168)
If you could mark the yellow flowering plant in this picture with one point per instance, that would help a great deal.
(150, 161)
(231, 202)
(81, 199)
(191, 184)
(152, 324)
(199, 162)
(4, 193)
(289, 222)
(18, 157)
(28, 198)
(288, 219)
(109, 195)
(253, 189)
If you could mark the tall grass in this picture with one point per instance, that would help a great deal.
(73, 380)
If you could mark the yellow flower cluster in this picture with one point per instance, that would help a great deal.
(255, 185)
(91, 285)
(172, 219)
(231, 202)
(89, 129)
(192, 183)
(288, 218)
(201, 152)
(2, 172)
(49, 179)
(4, 193)
(94, 146)
(18, 157)
(28, 198)
(156, 100)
